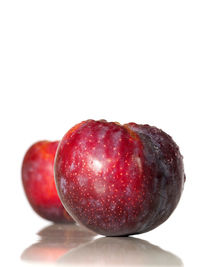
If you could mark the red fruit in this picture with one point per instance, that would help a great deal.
(39, 184)
(118, 180)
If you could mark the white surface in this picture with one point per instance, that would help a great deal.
(62, 62)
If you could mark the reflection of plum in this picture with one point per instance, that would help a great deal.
(123, 251)
(65, 233)
(44, 252)
(56, 240)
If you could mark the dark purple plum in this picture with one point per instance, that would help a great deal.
(118, 180)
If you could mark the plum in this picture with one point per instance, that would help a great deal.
(118, 180)
(39, 184)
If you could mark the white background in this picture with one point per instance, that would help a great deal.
(62, 62)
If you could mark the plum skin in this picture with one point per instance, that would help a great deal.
(118, 180)
(39, 184)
